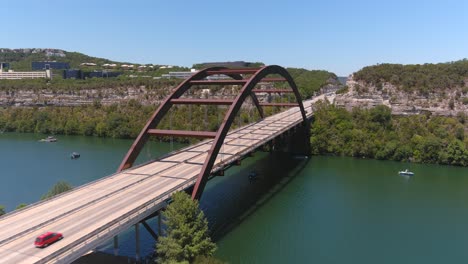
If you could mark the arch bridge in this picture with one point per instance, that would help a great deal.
(94, 213)
(248, 78)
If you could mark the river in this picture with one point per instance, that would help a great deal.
(316, 210)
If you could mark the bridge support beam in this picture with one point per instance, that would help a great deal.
(148, 228)
(116, 246)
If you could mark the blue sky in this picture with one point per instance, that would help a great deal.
(338, 36)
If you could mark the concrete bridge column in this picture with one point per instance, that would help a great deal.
(299, 140)
(159, 223)
(116, 245)
(137, 242)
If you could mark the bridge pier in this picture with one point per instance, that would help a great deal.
(298, 141)
(295, 141)
(116, 246)
(137, 242)
(159, 223)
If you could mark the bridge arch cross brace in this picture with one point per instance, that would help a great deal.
(229, 119)
(164, 108)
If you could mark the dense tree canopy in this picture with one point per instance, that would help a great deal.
(20, 206)
(423, 78)
(374, 133)
(186, 232)
(58, 188)
(309, 82)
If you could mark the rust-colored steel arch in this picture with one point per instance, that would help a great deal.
(166, 105)
(256, 75)
(229, 118)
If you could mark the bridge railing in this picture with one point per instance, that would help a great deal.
(106, 232)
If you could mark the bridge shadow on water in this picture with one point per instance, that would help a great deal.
(229, 200)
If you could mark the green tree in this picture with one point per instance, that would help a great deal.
(58, 188)
(186, 236)
(21, 205)
(2, 210)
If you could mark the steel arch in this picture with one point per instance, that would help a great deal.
(257, 75)
(164, 107)
(229, 118)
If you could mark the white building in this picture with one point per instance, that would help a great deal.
(12, 75)
(178, 75)
(88, 64)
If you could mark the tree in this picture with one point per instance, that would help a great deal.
(186, 236)
(21, 205)
(58, 188)
(2, 210)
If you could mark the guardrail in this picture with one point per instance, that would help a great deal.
(87, 242)
(74, 190)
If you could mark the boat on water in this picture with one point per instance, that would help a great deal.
(75, 155)
(49, 139)
(253, 176)
(406, 172)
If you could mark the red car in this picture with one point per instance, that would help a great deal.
(47, 238)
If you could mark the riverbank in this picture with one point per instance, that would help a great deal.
(376, 134)
(364, 133)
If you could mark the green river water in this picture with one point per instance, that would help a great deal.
(316, 210)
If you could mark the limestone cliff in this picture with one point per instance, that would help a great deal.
(447, 102)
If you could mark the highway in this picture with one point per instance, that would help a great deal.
(92, 214)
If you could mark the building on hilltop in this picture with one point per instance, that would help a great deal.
(72, 74)
(109, 65)
(79, 74)
(4, 65)
(185, 75)
(88, 64)
(49, 65)
(12, 75)
(178, 75)
(100, 74)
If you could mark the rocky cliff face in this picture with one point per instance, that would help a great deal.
(108, 96)
(105, 96)
(450, 102)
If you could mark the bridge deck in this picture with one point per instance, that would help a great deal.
(93, 213)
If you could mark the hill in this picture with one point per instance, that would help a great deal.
(424, 79)
(20, 59)
(440, 89)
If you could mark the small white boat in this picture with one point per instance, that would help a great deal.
(75, 155)
(406, 172)
(49, 139)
